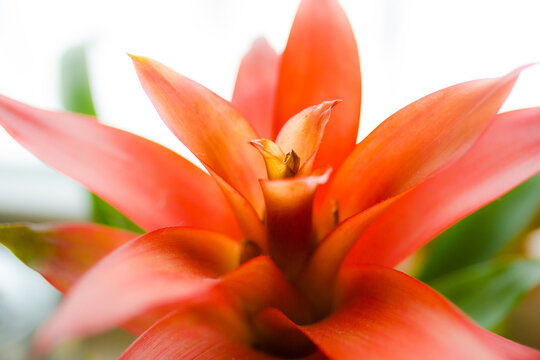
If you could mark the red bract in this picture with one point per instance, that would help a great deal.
(286, 247)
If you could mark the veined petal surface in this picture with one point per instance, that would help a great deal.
(506, 154)
(414, 143)
(207, 124)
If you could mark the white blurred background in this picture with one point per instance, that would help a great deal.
(407, 49)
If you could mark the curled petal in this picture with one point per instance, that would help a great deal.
(61, 253)
(303, 133)
(255, 88)
(414, 143)
(507, 154)
(207, 124)
(289, 209)
(147, 182)
(320, 63)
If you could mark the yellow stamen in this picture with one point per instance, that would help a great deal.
(278, 164)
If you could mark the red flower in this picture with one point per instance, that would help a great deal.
(281, 257)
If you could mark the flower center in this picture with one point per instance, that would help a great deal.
(278, 164)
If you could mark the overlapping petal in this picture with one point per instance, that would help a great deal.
(507, 154)
(247, 217)
(62, 253)
(150, 184)
(152, 275)
(156, 269)
(255, 88)
(413, 143)
(319, 63)
(207, 124)
(384, 314)
(303, 133)
(209, 332)
(289, 204)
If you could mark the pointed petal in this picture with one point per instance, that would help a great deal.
(61, 253)
(385, 314)
(207, 124)
(415, 142)
(321, 63)
(156, 269)
(321, 271)
(247, 217)
(255, 88)
(289, 209)
(507, 154)
(150, 184)
(303, 133)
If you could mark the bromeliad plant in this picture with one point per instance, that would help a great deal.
(286, 248)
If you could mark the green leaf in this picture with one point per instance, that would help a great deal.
(481, 235)
(75, 87)
(77, 97)
(488, 292)
(106, 214)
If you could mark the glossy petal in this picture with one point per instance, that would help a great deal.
(413, 143)
(507, 154)
(289, 209)
(61, 253)
(204, 333)
(150, 184)
(156, 269)
(384, 314)
(255, 88)
(321, 63)
(207, 124)
(303, 133)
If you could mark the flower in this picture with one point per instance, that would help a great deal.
(287, 247)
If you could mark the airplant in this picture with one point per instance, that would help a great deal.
(285, 247)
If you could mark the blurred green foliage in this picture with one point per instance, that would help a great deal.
(77, 97)
(483, 234)
(489, 291)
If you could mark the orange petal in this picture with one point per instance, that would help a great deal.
(259, 284)
(255, 88)
(248, 219)
(385, 314)
(156, 269)
(150, 184)
(207, 124)
(507, 154)
(303, 133)
(320, 272)
(289, 209)
(413, 143)
(206, 332)
(61, 253)
(321, 63)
